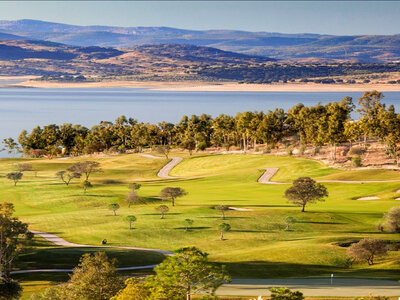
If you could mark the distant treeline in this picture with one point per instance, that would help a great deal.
(286, 72)
(317, 125)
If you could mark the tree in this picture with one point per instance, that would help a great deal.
(95, 278)
(10, 289)
(305, 190)
(289, 221)
(135, 289)
(135, 186)
(14, 176)
(171, 193)
(186, 273)
(86, 184)
(392, 222)
(67, 176)
(188, 223)
(189, 144)
(222, 209)
(131, 198)
(114, 207)
(86, 168)
(164, 150)
(52, 293)
(24, 167)
(130, 219)
(370, 106)
(10, 145)
(367, 250)
(162, 209)
(283, 293)
(223, 227)
(12, 233)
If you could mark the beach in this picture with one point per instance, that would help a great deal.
(193, 86)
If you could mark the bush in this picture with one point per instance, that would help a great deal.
(283, 293)
(10, 289)
(316, 150)
(267, 149)
(302, 149)
(356, 161)
(371, 297)
(289, 150)
(392, 220)
(201, 146)
(356, 151)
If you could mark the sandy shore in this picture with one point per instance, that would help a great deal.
(216, 87)
(24, 78)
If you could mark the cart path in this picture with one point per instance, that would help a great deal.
(265, 178)
(61, 242)
(342, 287)
(56, 240)
(164, 172)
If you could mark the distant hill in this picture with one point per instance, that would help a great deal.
(34, 57)
(297, 47)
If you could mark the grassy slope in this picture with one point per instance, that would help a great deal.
(254, 248)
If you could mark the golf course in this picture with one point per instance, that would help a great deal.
(259, 244)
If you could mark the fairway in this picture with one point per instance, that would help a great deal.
(256, 247)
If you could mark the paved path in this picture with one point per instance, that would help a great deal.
(164, 172)
(341, 287)
(267, 175)
(265, 178)
(61, 242)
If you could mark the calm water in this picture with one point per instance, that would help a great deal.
(25, 108)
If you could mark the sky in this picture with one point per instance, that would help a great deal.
(323, 17)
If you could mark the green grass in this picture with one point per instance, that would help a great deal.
(256, 246)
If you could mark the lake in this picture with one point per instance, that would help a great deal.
(24, 108)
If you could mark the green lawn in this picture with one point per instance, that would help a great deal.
(256, 247)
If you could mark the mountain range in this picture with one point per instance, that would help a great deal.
(289, 47)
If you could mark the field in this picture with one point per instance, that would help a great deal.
(257, 246)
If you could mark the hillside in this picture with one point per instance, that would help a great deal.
(23, 57)
(367, 48)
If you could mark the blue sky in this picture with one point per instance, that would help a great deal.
(330, 17)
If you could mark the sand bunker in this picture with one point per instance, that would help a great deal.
(369, 198)
(239, 209)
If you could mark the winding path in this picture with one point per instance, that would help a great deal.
(265, 178)
(56, 240)
(164, 172)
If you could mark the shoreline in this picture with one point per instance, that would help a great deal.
(197, 86)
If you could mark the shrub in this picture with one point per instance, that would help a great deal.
(356, 151)
(356, 161)
(316, 150)
(201, 146)
(392, 222)
(289, 150)
(283, 293)
(302, 149)
(267, 149)
(371, 297)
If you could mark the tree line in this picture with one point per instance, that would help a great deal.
(322, 124)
